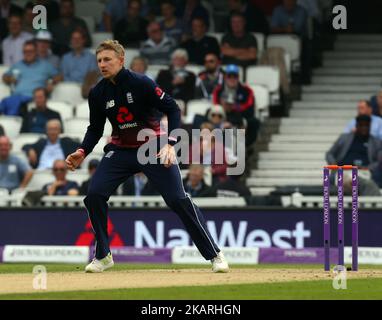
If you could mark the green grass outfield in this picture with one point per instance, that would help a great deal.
(370, 288)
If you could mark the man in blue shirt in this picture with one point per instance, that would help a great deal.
(78, 62)
(364, 108)
(25, 76)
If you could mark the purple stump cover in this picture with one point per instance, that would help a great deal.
(355, 219)
(326, 221)
(340, 209)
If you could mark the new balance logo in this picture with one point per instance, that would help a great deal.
(109, 154)
(129, 97)
(110, 104)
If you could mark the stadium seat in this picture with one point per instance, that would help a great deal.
(82, 110)
(262, 101)
(69, 92)
(260, 39)
(5, 91)
(11, 125)
(153, 70)
(217, 35)
(195, 69)
(3, 69)
(210, 10)
(290, 43)
(79, 176)
(90, 8)
(79, 126)
(23, 139)
(100, 145)
(130, 54)
(98, 37)
(90, 23)
(64, 109)
(268, 76)
(196, 107)
(39, 179)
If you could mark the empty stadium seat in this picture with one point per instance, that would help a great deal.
(153, 70)
(262, 101)
(90, 8)
(268, 76)
(69, 92)
(5, 91)
(82, 110)
(196, 107)
(260, 39)
(290, 43)
(195, 69)
(130, 54)
(98, 37)
(39, 179)
(23, 139)
(79, 176)
(11, 125)
(90, 23)
(79, 126)
(217, 35)
(100, 145)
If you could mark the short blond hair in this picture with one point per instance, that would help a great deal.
(113, 45)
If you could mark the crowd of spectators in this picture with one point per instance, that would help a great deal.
(169, 32)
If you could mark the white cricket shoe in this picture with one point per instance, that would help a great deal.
(97, 266)
(220, 264)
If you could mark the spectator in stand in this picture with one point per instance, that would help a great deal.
(215, 115)
(139, 65)
(76, 64)
(177, 81)
(7, 9)
(237, 100)
(232, 187)
(239, 46)
(131, 29)
(210, 151)
(366, 187)
(157, 48)
(27, 18)
(115, 11)
(61, 186)
(138, 185)
(35, 120)
(364, 108)
(171, 24)
(12, 45)
(199, 45)
(256, 19)
(63, 27)
(25, 76)
(194, 183)
(376, 104)
(358, 148)
(43, 43)
(45, 151)
(14, 172)
(191, 10)
(210, 77)
(92, 167)
(289, 18)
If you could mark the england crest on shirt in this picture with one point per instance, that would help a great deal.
(129, 97)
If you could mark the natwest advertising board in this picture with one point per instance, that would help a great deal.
(161, 228)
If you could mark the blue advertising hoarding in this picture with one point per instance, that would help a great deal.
(160, 228)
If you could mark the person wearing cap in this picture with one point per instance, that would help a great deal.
(92, 167)
(43, 42)
(358, 148)
(239, 46)
(237, 99)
